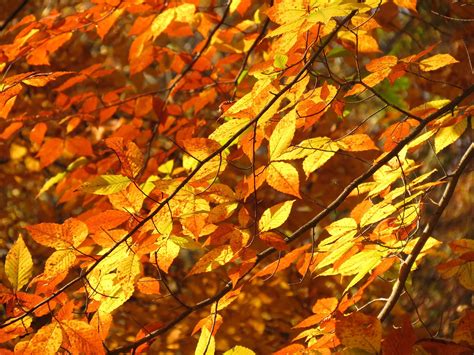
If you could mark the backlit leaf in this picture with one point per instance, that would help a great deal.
(206, 344)
(448, 135)
(275, 216)
(436, 62)
(282, 135)
(59, 236)
(228, 129)
(376, 213)
(283, 177)
(46, 341)
(18, 265)
(359, 331)
(239, 350)
(106, 184)
(213, 259)
(59, 262)
(83, 338)
(319, 157)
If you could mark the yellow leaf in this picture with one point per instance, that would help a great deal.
(304, 148)
(360, 265)
(117, 295)
(206, 344)
(106, 184)
(345, 227)
(46, 341)
(18, 265)
(284, 177)
(58, 262)
(128, 269)
(239, 350)
(167, 252)
(213, 259)
(448, 135)
(228, 129)
(282, 135)
(377, 213)
(409, 4)
(319, 157)
(163, 222)
(275, 216)
(182, 13)
(436, 62)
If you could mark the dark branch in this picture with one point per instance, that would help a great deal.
(407, 264)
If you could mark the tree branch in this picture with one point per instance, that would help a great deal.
(407, 264)
(310, 224)
(13, 15)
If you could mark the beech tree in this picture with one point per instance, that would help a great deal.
(238, 177)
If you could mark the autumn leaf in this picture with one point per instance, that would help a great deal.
(275, 216)
(46, 341)
(82, 337)
(283, 177)
(282, 135)
(359, 331)
(213, 259)
(18, 265)
(106, 184)
(436, 62)
(357, 143)
(448, 135)
(283, 263)
(69, 234)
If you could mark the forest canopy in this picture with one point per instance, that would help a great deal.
(236, 177)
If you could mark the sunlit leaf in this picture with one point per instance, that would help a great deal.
(106, 184)
(282, 135)
(275, 216)
(360, 331)
(46, 341)
(436, 62)
(448, 135)
(18, 264)
(283, 177)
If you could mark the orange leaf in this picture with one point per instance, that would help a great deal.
(50, 151)
(284, 262)
(40, 55)
(69, 234)
(83, 338)
(360, 331)
(38, 132)
(358, 143)
(149, 286)
(283, 177)
(129, 155)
